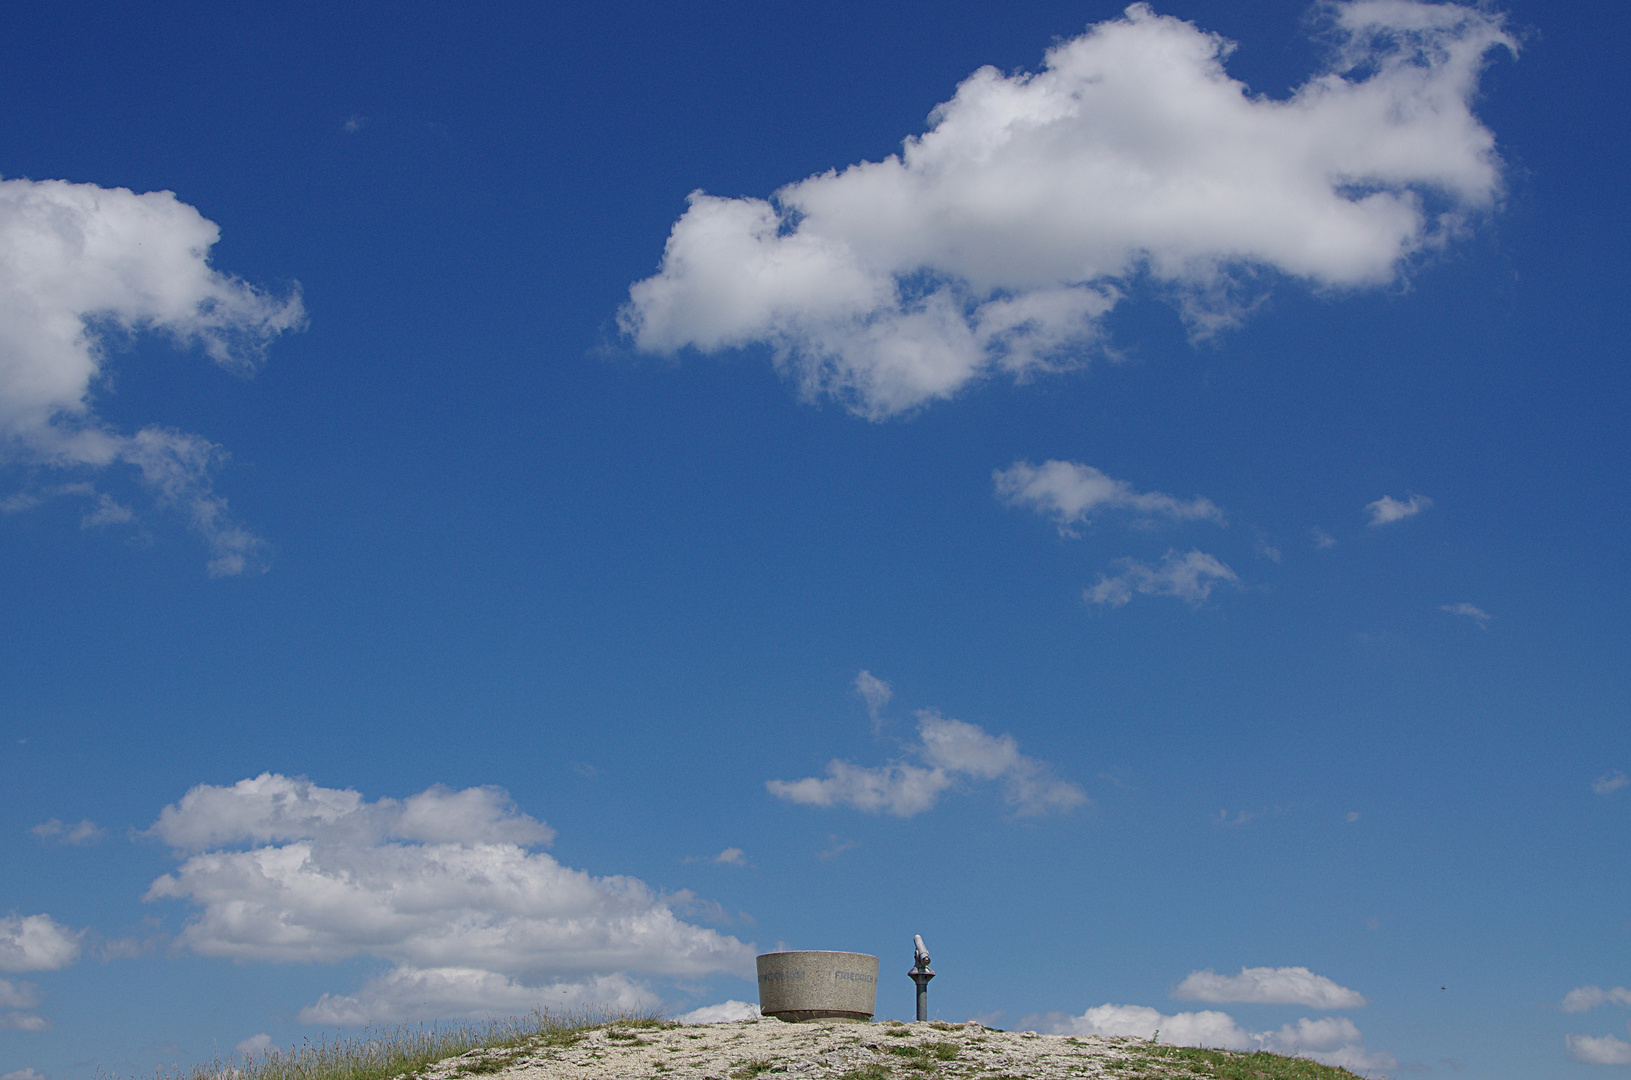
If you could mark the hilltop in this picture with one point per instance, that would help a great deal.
(745, 1050)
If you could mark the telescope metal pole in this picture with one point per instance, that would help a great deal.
(921, 976)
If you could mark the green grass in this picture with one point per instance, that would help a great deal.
(400, 1053)
(1165, 1061)
(747, 1070)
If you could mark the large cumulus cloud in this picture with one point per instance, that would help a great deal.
(1000, 237)
(441, 884)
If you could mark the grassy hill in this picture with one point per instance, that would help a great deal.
(546, 1047)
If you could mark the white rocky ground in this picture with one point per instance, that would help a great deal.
(764, 1048)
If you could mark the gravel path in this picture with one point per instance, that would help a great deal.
(767, 1048)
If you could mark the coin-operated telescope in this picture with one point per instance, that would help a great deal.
(921, 975)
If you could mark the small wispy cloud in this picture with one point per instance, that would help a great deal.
(836, 847)
(951, 751)
(1322, 539)
(86, 832)
(875, 692)
(1476, 614)
(1610, 782)
(731, 856)
(107, 511)
(1069, 492)
(103, 511)
(130, 948)
(1387, 509)
(1189, 577)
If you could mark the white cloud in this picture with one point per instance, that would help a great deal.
(726, 1012)
(1598, 1050)
(1332, 1040)
(440, 884)
(107, 512)
(255, 1044)
(1069, 492)
(1582, 998)
(271, 807)
(951, 751)
(85, 832)
(24, 1074)
(1610, 782)
(902, 790)
(36, 943)
(1273, 986)
(998, 239)
(1322, 539)
(407, 993)
(1476, 614)
(83, 268)
(1190, 577)
(18, 1021)
(874, 691)
(18, 995)
(1387, 509)
(731, 856)
(965, 749)
(103, 511)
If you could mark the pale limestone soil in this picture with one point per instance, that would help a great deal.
(765, 1049)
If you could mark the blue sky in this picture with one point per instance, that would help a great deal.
(1134, 497)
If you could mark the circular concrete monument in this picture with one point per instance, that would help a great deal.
(811, 985)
